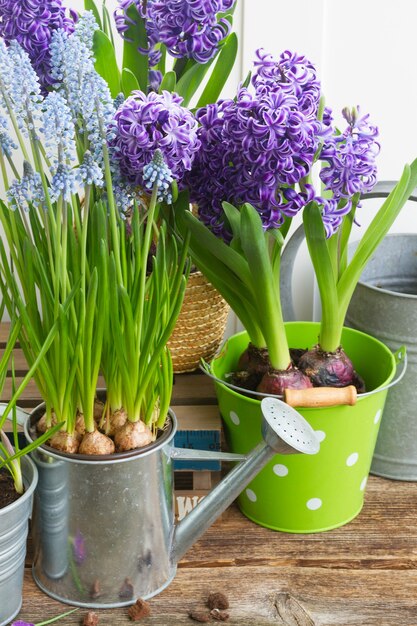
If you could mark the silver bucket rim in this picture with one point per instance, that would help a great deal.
(165, 436)
(30, 483)
(366, 285)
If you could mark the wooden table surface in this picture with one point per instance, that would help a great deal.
(361, 574)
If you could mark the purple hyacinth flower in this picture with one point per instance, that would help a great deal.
(188, 28)
(31, 23)
(22, 623)
(146, 122)
(258, 144)
(350, 157)
(154, 80)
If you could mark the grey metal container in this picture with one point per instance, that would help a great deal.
(102, 528)
(384, 305)
(13, 534)
(104, 531)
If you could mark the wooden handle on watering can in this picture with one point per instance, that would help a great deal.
(320, 396)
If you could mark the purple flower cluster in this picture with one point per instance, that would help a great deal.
(31, 23)
(144, 123)
(350, 169)
(293, 74)
(351, 157)
(260, 146)
(188, 28)
(259, 143)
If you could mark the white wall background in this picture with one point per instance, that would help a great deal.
(366, 53)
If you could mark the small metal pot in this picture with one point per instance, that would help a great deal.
(14, 520)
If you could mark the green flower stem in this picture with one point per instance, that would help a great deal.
(4, 171)
(34, 142)
(113, 213)
(13, 120)
(155, 358)
(13, 167)
(143, 267)
(49, 214)
(11, 459)
(265, 286)
(331, 328)
(54, 619)
(8, 461)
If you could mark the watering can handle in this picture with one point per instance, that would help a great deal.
(320, 396)
(381, 190)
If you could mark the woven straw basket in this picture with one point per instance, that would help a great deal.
(200, 326)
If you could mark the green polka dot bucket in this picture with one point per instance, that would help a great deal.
(299, 493)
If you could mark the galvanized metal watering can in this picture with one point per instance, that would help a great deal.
(103, 528)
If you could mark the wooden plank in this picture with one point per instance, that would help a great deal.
(20, 364)
(382, 537)
(361, 574)
(188, 389)
(326, 597)
(4, 333)
(194, 389)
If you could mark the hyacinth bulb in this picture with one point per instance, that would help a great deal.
(252, 365)
(275, 381)
(330, 369)
(254, 359)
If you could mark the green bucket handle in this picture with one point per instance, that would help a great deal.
(401, 358)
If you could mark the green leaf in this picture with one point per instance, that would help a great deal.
(345, 231)
(233, 217)
(107, 24)
(276, 242)
(240, 299)
(135, 38)
(169, 82)
(219, 249)
(191, 80)
(246, 82)
(90, 5)
(106, 64)
(129, 82)
(376, 231)
(221, 72)
(182, 65)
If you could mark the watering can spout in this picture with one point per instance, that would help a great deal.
(284, 431)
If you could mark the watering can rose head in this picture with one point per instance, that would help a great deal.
(251, 176)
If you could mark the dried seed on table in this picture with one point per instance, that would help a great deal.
(91, 619)
(219, 616)
(217, 601)
(199, 616)
(139, 610)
